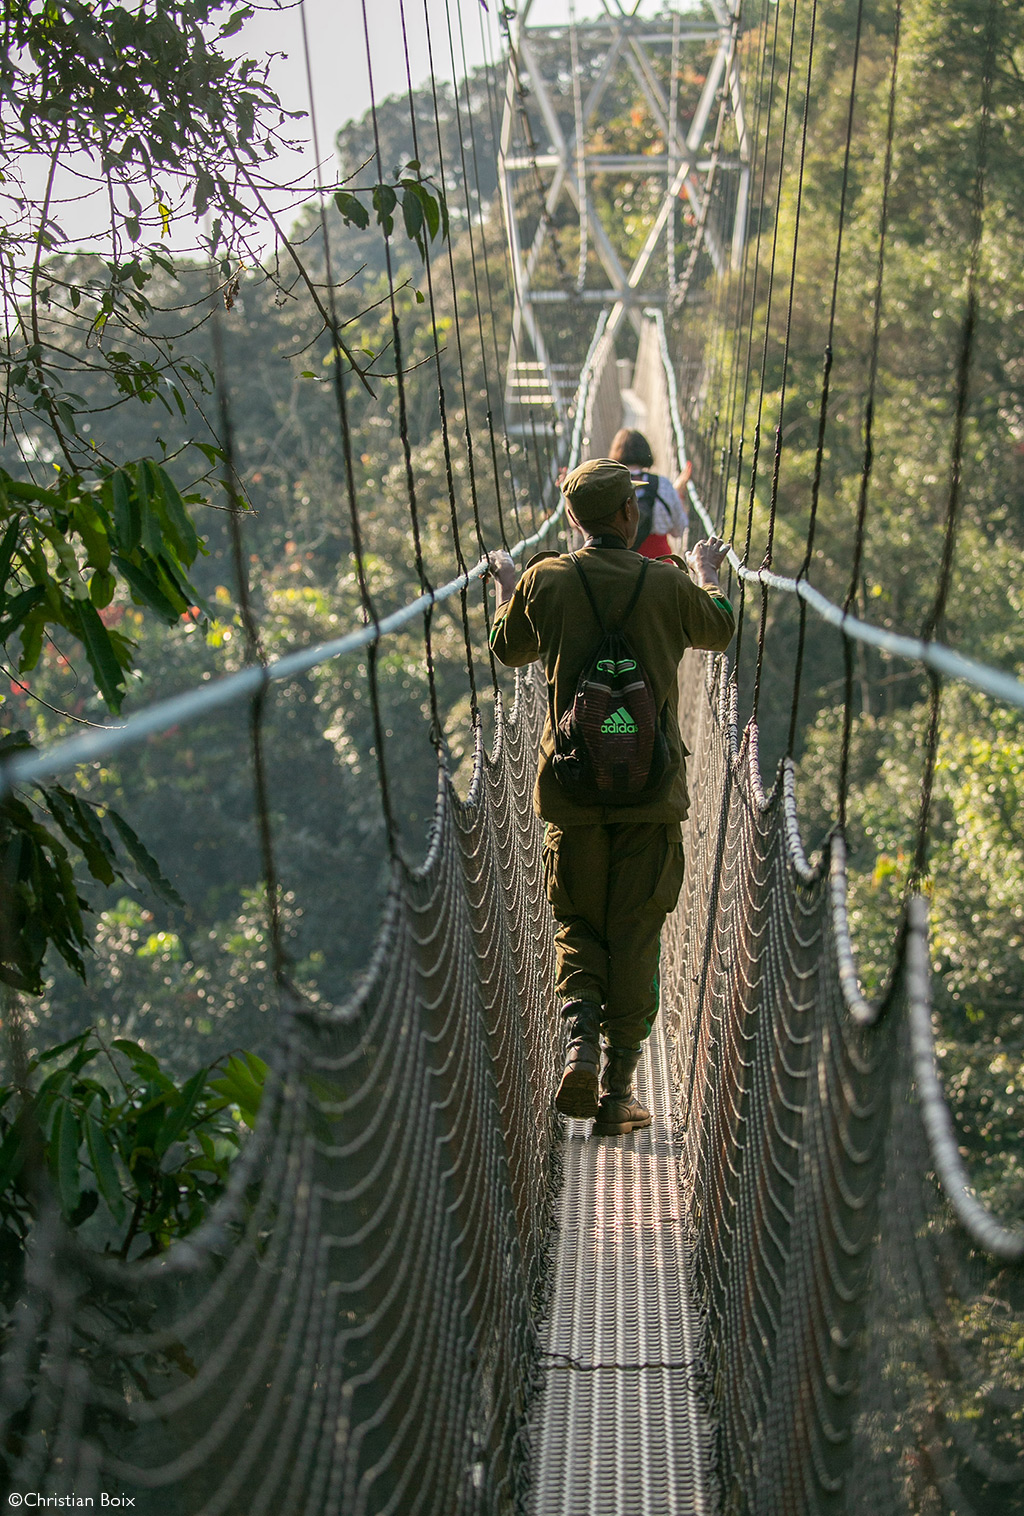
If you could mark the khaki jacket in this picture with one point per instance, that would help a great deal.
(549, 617)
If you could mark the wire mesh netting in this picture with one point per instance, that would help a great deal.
(353, 1327)
(863, 1341)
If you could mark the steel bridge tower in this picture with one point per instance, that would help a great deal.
(592, 226)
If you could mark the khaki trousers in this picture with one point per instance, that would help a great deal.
(611, 888)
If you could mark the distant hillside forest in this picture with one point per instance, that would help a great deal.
(192, 980)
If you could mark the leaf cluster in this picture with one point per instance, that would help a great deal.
(127, 1148)
(42, 905)
(424, 207)
(63, 552)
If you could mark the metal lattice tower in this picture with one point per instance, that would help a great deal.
(669, 85)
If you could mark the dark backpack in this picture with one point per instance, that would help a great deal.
(646, 497)
(610, 745)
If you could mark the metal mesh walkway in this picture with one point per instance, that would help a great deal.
(619, 1429)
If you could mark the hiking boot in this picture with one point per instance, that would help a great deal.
(578, 1090)
(620, 1111)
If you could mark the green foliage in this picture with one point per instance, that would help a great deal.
(64, 552)
(151, 100)
(975, 885)
(184, 992)
(424, 211)
(135, 1159)
(173, 128)
(42, 904)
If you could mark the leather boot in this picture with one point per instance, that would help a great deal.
(620, 1111)
(577, 1092)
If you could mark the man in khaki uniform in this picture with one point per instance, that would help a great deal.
(613, 872)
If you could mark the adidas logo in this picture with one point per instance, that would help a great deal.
(619, 724)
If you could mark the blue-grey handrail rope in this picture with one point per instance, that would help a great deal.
(976, 1219)
(103, 741)
(934, 655)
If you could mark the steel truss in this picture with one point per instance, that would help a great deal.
(551, 147)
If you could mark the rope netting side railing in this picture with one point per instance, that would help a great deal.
(353, 1328)
(860, 1305)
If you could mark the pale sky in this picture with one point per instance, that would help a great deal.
(341, 82)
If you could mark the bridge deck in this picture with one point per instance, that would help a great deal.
(618, 1429)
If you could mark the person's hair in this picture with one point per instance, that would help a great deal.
(632, 449)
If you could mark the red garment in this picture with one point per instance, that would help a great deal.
(654, 546)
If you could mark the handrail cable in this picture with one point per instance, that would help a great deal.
(934, 655)
(100, 742)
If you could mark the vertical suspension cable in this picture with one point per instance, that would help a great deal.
(341, 399)
(403, 415)
(867, 465)
(777, 458)
(819, 453)
(934, 620)
(489, 417)
(751, 259)
(254, 654)
(581, 146)
(670, 165)
(441, 392)
(506, 261)
(748, 367)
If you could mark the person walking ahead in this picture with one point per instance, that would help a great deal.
(613, 871)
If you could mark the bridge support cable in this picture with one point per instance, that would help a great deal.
(353, 1328)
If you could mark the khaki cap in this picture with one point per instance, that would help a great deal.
(597, 489)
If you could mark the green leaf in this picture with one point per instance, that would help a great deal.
(101, 588)
(15, 742)
(147, 486)
(242, 1083)
(146, 589)
(16, 610)
(127, 520)
(144, 861)
(73, 1042)
(101, 1156)
(14, 1149)
(65, 1139)
(93, 534)
(142, 1062)
(100, 652)
(352, 209)
(82, 828)
(257, 1068)
(179, 522)
(384, 202)
(203, 192)
(33, 628)
(7, 546)
(179, 1115)
(412, 214)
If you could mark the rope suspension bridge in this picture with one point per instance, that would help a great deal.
(423, 1292)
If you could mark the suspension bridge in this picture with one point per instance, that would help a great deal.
(423, 1292)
